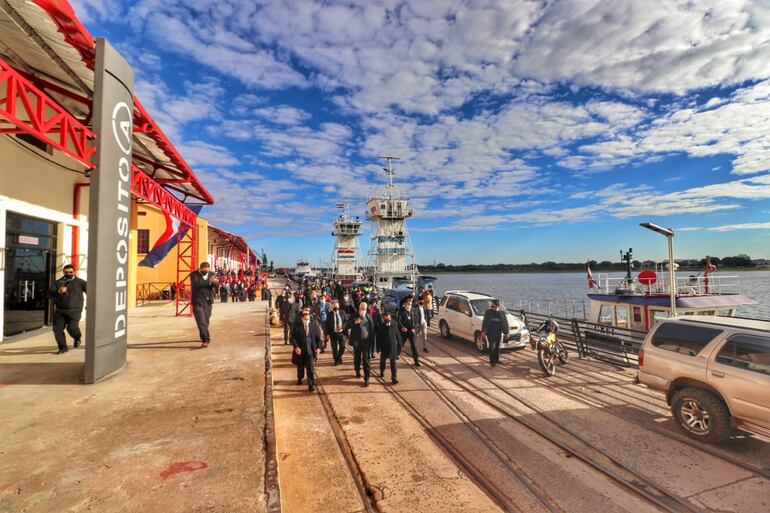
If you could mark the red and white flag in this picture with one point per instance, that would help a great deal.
(592, 284)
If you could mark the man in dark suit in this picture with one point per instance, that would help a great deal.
(289, 316)
(388, 345)
(336, 322)
(361, 336)
(408, 328)
(202, 281)
(305, 338)
(67, 297)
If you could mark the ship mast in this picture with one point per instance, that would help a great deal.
(389, 171)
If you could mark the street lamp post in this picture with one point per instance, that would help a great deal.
(669, 233)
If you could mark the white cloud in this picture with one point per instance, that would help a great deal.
(739, 127)
(200, 153)
(207, 39)
(282, 114)
(728, 227)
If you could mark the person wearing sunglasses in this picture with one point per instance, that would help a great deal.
(67, 295)
(306, 338)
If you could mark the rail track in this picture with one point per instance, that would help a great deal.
(365, 490)
(537, 492)
(556, 434)
(593, 401)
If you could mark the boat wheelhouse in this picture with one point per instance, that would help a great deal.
(390, 247)
(345, 257)
(638, 303)
(303, 269)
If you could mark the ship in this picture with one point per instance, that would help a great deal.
(639, 302)
(303, 269)
(346, 255)
(392, 264)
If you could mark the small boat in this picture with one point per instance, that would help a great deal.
(639, 302)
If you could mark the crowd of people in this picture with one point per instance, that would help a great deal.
(240, 286)
(323, 314)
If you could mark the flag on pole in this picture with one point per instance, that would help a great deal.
(340, 205)
(175, 230)
(592, 284)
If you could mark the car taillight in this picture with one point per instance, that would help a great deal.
(641, 357)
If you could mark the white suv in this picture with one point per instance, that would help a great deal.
(460, 313)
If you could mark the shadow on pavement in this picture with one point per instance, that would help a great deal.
(49, 373)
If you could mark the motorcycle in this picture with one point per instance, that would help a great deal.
(549, 349)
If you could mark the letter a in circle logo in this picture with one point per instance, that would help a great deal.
(122, 126)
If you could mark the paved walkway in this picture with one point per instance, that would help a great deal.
(403, 468)
(180, 429)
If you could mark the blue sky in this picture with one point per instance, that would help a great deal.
(527, 131)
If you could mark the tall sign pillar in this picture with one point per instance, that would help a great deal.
(109, 214)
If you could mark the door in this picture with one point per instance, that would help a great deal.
(741, 371)
(464, 320)
(29, 259)
(27, 278)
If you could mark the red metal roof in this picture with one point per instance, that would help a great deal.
(45, 41)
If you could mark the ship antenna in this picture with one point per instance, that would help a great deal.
(389, 171)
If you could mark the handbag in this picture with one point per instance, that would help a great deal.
(296, 359)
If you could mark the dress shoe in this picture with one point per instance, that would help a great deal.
(61, 351)
(417, 364)
(358, 375)
(366, 383)
(424, 349)
(311, 388)
(299, 381)
(394, 381)
(382, 374)
(76, 343)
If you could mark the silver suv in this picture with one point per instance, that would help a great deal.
(715, 372)
(460, 313)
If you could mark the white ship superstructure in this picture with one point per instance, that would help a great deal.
(345, 259)
(390, 245)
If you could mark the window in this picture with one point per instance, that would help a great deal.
(687, 339)
(480, 306)
(658, 315)
(621, 316)
(465, 308)
(453, 304)
(143, 241)
(605, 315)
(747, 352)
(637, 315)
(37, 143)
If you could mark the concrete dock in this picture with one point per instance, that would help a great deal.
(184, 429)
(179, 429)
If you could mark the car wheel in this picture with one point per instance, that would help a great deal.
(481, 344)
(444, 329)
(701, 414)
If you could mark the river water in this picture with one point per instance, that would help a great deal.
(565, 293)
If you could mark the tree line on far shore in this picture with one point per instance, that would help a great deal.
(732, 262)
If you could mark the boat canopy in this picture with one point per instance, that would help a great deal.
(722, 300)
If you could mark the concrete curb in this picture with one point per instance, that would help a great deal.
(272, 484)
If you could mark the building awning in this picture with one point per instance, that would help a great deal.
(44, 42)
(225, 237)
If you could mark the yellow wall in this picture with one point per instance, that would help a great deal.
(166, 271)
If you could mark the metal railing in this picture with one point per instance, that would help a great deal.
(685, 285)
(619, 346)
(569, 308)
(153, 291)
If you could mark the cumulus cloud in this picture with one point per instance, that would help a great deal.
(728, 227)
(739, 126)
(485, 101)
